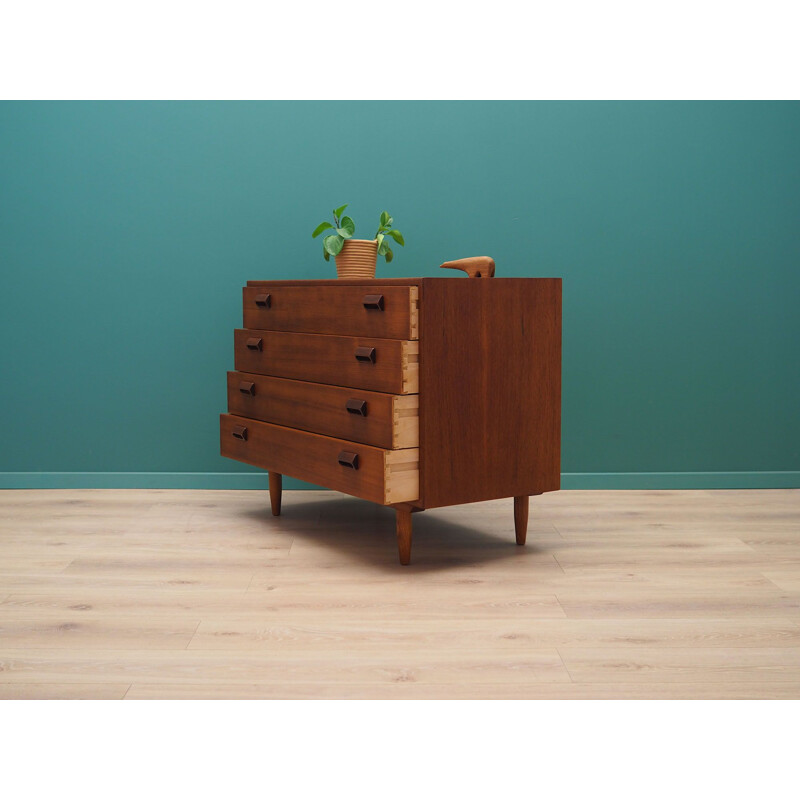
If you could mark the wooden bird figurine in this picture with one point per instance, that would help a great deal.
(475, 267)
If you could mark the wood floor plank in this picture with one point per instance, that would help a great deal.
(786, 579)
(521, 575)
(26, 564)
(662, 557)
(678, 602)
(31, 665)
(170, 562)
(683, 665)
(191, 597)
(359, 635)
(441, 602)
(192, 541)
(63, 691)
(64, 583)
(76, 630)
(788, 537)
(466, 691)
(116, 600)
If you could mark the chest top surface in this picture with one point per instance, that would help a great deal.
(389, 281)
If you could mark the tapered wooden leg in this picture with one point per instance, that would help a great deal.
(275, 489)
(521, 518)
(404, 535)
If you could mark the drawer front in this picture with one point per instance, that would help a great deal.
(386, 312)
(382, 476)
(382, 420)
(382, 365)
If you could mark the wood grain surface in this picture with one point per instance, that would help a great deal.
(204, 594)
(369, 282)
(390, 421)
(490, 389)
(330, 359)
(334, 309)
(318, 459)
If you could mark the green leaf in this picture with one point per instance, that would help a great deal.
(389, 255)
(326, 254)
(383, 247)
(334, 244)
(385, 219)
(397, 236)
(338, 212)
(323, 226)
(348, 228)
(379, 239)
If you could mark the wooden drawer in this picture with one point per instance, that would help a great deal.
(382, 420)
(382, 476)
(382, 365)
(386, 312)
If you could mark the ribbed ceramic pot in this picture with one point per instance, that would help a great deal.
(357, 259)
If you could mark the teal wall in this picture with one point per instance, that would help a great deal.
(127, 230)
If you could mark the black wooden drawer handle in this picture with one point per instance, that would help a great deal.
(239, 432)
(254, 343)
(263, 300)
(355, 406)
(373, 302)
(348, 459)
(365, 354)
(247, 387)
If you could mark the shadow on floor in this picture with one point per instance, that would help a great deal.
(344, 529)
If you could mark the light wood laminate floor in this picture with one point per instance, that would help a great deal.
(203, 594)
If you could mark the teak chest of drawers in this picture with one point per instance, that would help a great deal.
(411, 393)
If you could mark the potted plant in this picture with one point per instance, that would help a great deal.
(356, 258)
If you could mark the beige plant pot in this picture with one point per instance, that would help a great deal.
(357, 259)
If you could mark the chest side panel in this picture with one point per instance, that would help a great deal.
(490, 388)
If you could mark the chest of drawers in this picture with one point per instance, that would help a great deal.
(412, 393)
